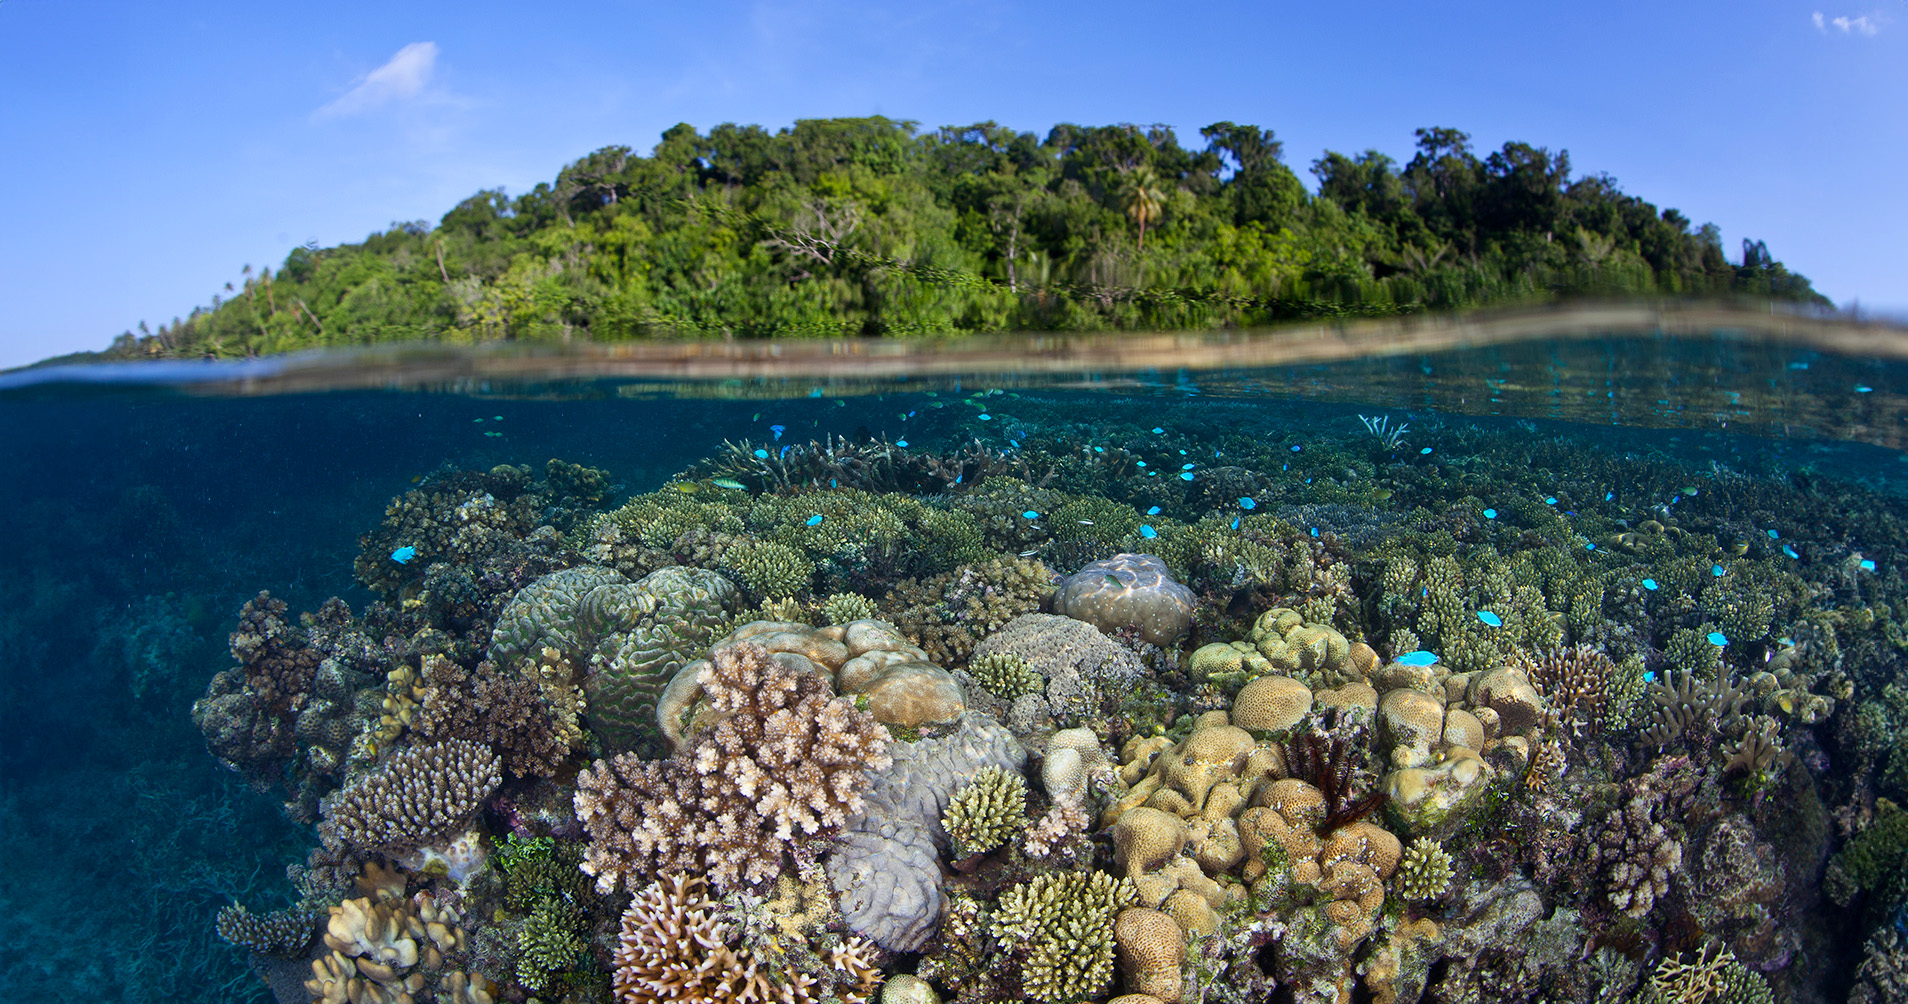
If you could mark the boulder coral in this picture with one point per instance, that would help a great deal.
(1128, 591)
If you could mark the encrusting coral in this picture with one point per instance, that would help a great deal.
(785, 766)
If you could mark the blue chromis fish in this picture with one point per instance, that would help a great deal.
(1418, 658)
(1490, 618)
(778, 430)
(1147, 531)
(815, 520)
(404, 554)
(1248, 502)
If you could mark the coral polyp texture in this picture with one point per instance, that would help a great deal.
(783, 768)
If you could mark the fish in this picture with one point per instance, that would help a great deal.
(1248, 503)
(778, 430)
(684, 487)
(1868, 565)
(1418, 658)
(901, 443)
(1154, 511)
(1490, 618)
(1649, 584)
(761, 454)
(985, 417)
(404, 554)
(1146, 530)
(1084, 522)
(1186, 476)
(1114, 580)
(1425, 452)
(1029, 554)
(1790, 551)
(729, 483)
(1030, 514)
(815, 520)
(1718, 639)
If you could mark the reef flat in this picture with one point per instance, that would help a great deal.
(1052, 706)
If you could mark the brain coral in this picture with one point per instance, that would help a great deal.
(1128, 590)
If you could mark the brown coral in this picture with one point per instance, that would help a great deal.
(674, 947)
(506, 712)
(423, 793)
(278, 663)
(948, 614)
(786, 763)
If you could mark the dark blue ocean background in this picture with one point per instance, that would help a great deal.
(136, 522)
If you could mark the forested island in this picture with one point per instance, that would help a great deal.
(870, 227)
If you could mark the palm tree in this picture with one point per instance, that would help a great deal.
(1144, 199)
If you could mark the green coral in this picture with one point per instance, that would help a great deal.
(1063, 922)
(1006, 675)
(948, 614)
(1875, 862)
(986, 812)
(1691, 651)
(550, 942)
(1425, 870)
(844, 608)
(769, 569)
(545, 612)
(1715, 976)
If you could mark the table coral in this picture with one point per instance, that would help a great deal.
(786, 762)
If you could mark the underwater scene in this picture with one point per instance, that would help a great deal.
(1553, 669)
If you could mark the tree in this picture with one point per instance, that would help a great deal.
(1143, 199)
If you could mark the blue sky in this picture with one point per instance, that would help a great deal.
(150, 150)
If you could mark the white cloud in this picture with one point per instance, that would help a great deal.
(1860, 25)
(404, 76)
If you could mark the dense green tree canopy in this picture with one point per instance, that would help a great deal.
(869, 226)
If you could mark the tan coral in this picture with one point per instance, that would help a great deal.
(1208, 756)
(1152, 951)
(1271, 704)
(1412, 723)
(1509, 692)
(1144, 839)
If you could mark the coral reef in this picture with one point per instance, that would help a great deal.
(418, 796)
(986, 812)
(1060, 929)
(1128, 590)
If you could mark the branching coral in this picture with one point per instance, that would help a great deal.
(1059, 927)
(1575, 681)
(1713, 976)
(870, 465)
(1684, 702)
(1640, 843)
(1006, 675)
(948, 614)
(504, 711)
(283, 933)
(1425, 870)
(786, 764)
(420, 794)
(985, 813)
(674, 947)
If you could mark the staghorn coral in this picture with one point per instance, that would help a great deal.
(674, 945)
(985, 813)
(1425, 870)
(420, 794)
(785, 765)
(1574, 680)
(1713, 976)
(1059, 929)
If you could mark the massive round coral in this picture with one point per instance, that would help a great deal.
(1128, 591)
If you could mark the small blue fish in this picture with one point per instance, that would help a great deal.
(1154, 511)
(784, 455)
(1607, 496)
(1425, 452)
(1773, 535)
(1418, 658)
(1718, 639)
(1867, 565)
(958, 478)
(1552, 500)
(1248, 503)
(1649, 584)
(1716, 570)
(1141, 463)
(1490, 618)
(1675, 499)
(1589, 547)
(761, 454)
(1031, 514)
(1099, 449)
(1790, 551)
(985, 417)
(1285, 467)
(1235, 522)
(901, 443)
(1157, 431)
(1490, 514)
(1186, 476)
(1147, 531)
(1295, 449)
(1862, 388)
(1183, 453)
(778, 430)
(1649, 676)
(404, 554)
(1315, 531)
(815, 520)
(1186, 467)
(832, 483)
